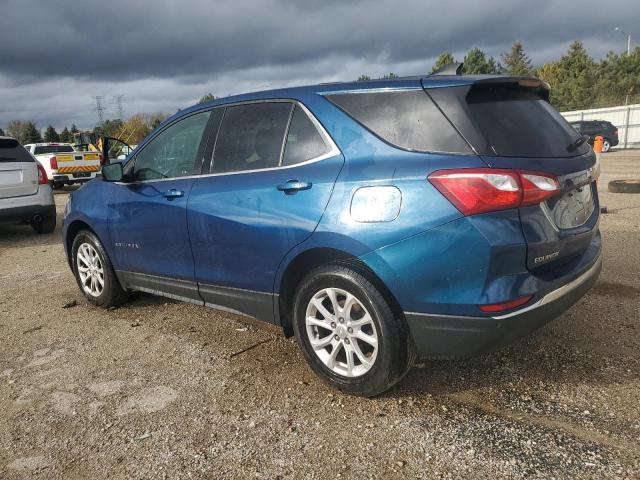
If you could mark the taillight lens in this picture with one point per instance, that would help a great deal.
(53, 161)
(42, 176)
(479, 190)
(510, 305)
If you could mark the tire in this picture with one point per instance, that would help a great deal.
(624, 186)
(111, 293)
(58, 185)
(46, 225)
(606, 145)
(385, 364)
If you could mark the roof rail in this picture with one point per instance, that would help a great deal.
(449, 69)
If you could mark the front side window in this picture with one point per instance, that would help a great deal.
(173, 152)
(251, 137)
(303, 140)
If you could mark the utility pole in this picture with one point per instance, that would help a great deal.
(618, 29)
(100, 109)
(118, 100)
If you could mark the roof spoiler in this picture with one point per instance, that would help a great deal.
(449, 69)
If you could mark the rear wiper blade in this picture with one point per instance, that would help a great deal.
(578, 143)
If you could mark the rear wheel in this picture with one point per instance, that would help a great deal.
(94, 272)
(349, 334)
(606, 145)
(47, 224)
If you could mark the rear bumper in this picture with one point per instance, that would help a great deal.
(448, 336)
(23, 209)
(73, 177)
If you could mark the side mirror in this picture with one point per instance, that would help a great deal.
(112, 172)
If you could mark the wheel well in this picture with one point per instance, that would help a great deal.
(72, 231)
(307, 261)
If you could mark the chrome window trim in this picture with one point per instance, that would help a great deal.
(332, 151)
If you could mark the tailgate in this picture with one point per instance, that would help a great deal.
(77, 162)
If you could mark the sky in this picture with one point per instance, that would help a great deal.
(162, 55)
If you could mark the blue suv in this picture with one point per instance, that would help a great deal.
(439, 217)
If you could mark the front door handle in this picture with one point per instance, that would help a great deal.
(292, 186)
(172, 193)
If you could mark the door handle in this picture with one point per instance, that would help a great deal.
(172, 193)
(292, 186)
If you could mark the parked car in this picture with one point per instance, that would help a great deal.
(437, 217)
(593, 128)
(64, 165)
(25, 193)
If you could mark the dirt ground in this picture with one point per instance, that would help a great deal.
(161, 389)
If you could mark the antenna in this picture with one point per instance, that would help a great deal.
(100, 109)
(118, 100)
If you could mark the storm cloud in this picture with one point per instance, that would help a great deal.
(55, 57)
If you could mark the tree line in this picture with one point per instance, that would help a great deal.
(577, 81)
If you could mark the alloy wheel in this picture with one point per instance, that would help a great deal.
(341, 332)
(90, 269)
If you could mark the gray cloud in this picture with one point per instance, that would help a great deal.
(56, 56)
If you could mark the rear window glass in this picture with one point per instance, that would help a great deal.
(251, 137)
(407, 119)
(303, 140)
(47, 149)
(517, 122)
(12, 151)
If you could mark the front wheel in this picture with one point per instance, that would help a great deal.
(94, 272)
(348, 332)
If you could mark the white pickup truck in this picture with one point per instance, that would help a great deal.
(64, 165)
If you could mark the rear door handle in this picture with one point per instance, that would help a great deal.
(292, 186)
(173, 193)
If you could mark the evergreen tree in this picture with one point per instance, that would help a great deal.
(477, 63)
(443, 59)
(50, 135)
(572, 79)
(388, 76)
(2, 133)
(65, 136)
(618, 79)
(31, 134)
(363, 78)
(516, 62)
(207, 98)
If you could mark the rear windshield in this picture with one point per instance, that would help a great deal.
(47, 149)
(404, 118)
(508, 120)
(12, 151)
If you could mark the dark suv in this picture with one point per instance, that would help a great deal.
(593, 128)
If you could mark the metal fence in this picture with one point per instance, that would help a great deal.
(625, 117)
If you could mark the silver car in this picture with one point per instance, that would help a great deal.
(25, 192)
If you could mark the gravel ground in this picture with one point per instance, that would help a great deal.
(161, 389)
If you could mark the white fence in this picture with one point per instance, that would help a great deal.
(625, 117)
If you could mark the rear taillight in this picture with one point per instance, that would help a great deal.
(53, 161)
(42, 176)
(479, 190)
(510, 305)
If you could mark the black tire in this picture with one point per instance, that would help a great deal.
(396, 350)
(46, 225)
(58, 185)
(112, 293)
(624, 186)
(606, 145)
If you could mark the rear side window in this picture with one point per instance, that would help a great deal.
(517, 122)
(12, 151)
(48, 149)
(251, 137)
(303, 140)
(406, 118)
